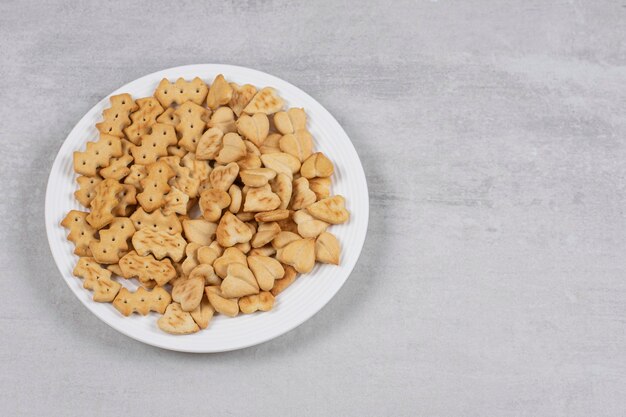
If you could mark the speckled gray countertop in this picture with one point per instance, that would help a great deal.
(493, 138)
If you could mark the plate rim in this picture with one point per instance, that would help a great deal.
(191, 349)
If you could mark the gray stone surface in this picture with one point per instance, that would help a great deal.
(492, 279)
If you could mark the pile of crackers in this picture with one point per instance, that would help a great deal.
(210, 197)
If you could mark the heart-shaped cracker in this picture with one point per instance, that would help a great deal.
(229, 256)
(221, 304)
(308, 226)
(210, 144)
(250, 161)
(160, 244)
(143, 119)
(331, 210)
(191, 258)
(212, 202)
(192, 123)
(220, 93)
(327, 249)
(222, 177)
(281, 285)
(271, 144)
(155, 186)
(263, 301)
(317, 165)
(265, 101)
(81, 233)
(113, 243)
(142, 301)
(266, 250)
(283, 187)
(265, 233)
(207, 273)
(255, 128)
(300, 254)
(97, 279)
(298, 144)
(272, 215)
(236, 197)
(208, 254)
(239, 281)
(231, 231)
(117, 117)
(203, 314)
(281, 163)
(233, 149)
(302, 195)
(177, 321)
(181, 91)
(146, 268)
(257, 177)
(290, 121)
(224, 120)
(321, 187)
(199, 231)
(288, 225)
(261, 199)
(265, 270)
(284, 238)
(188, 293)
(241, 97)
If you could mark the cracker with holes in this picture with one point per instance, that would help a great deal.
(117, 117)
(156, 221)
(86, 189)
(213, 198)
(97, 279)
(155, 186)
(136, 174)
(154, 144)
(159, 243)
(147, 268)
(143, 118)
(181, 91)
(142, 301)
(192, 124)
(184, 179)
(113, 242)
(97, 155)
(107, 198)
(81, 232)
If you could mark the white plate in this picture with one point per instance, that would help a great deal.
(306, 296)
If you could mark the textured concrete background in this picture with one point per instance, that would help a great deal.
(492, 280)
